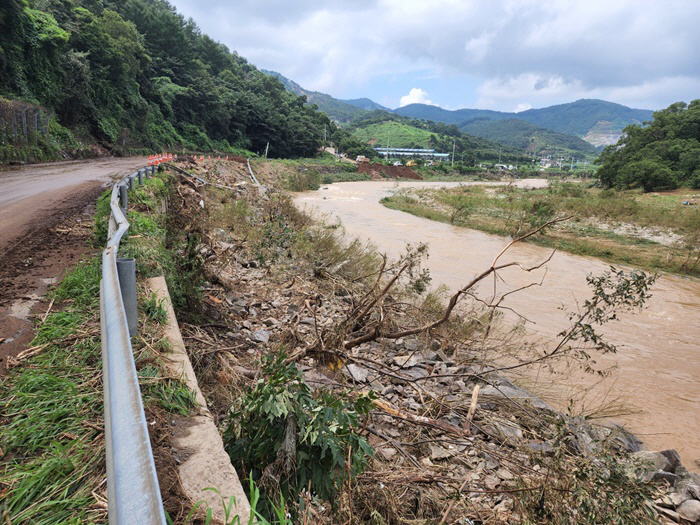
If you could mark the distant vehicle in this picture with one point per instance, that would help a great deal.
(362, 158)
(397, 163)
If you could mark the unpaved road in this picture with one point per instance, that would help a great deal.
(45, 227)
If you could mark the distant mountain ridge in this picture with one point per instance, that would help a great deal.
(597, 121)
(366, 104)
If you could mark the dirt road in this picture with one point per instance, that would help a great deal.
(45, 227)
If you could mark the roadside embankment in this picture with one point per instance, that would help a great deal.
(314, 350)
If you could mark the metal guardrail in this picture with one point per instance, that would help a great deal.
(133, 494)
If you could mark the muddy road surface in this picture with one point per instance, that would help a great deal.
(46, 217)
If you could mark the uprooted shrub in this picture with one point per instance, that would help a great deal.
(291, 439)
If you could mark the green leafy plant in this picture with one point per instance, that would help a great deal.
(155, 309)
(587, 490)
(289, 438)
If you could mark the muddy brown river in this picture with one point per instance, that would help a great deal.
(658, 360)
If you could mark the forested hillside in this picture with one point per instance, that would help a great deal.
(521, 134)
(662, 155)
(122, 75)
(338, 110)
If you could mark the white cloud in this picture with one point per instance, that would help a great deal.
(622, 47)
(415, 96)
(529, 90)
(523, 106)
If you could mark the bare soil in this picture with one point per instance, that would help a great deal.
(379, 171)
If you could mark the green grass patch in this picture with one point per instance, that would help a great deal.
(52, 456)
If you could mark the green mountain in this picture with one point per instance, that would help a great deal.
(523, 135)
(457, 116)
(338, 110)
(597, 121)
(580, 117)
(366, 104)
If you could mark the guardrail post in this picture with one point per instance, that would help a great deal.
(123, 198)
(142, 175)
(126, 270)
(132, 183)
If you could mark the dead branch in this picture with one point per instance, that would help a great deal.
(420, 420)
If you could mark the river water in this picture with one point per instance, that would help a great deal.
(658, 360)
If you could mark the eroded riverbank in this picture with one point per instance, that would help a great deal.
(658, 371)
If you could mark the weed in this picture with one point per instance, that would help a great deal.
(587, 490)
(155, 309)
(288, 438)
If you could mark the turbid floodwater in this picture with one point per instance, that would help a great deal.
(658, 361)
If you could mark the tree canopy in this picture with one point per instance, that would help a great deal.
(135, 73)
(661, 155)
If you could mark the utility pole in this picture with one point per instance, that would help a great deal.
(454, 142)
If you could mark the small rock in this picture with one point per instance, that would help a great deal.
(491, 481)
(357, 373)
(543, 448)
(417, 372)
(414, 406)
(504, 474)
(690, 510)
(439, 452)
(387, 453)
(261, 336)
(413, 345)
(407, 361)
(676, 498)
(649, 463)
(508, 432)
(509, 390)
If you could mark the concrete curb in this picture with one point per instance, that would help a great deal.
(196, 439)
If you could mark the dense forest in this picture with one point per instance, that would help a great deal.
(521, 134)
(123, 75)
(662, 155)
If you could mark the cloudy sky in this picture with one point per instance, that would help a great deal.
(507, 55)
